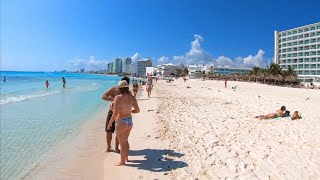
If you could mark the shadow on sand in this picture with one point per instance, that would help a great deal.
(157, 160)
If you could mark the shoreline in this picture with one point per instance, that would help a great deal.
(84, 156)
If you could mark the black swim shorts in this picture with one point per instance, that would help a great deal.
(113, 127)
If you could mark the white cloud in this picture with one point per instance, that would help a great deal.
(163, 60)
(135, 57)
(250, 61)
(88, 65)
(197, 55)
(223, 61)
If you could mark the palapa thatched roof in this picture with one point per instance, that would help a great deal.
(252, 76)
(278, 77)
(290, 78)
(270, 77)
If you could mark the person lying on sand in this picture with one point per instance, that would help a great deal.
(278, 113)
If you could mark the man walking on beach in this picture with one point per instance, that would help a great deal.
(109, 96)
(225, 83)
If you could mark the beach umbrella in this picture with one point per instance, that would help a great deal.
(270, 77)
(290, 78)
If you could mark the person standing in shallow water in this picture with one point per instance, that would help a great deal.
(4, 79)
(47, 84)
(64, 82)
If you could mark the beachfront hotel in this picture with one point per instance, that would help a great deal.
(141, 65)
(126, 62)
(225, 70)
(299, 48)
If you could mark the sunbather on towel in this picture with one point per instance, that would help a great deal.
(278, 113)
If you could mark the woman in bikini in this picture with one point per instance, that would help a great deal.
(135, 88)
(149, 87)
(278, 113)
(123, 104)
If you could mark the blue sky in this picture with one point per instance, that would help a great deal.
(68, 34)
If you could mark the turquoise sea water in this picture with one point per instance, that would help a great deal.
(34, 119)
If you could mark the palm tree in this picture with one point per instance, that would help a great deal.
(179, 72)
(186, 71)
(274, 69)
(288, 72)
(255, 70)
(291, 71)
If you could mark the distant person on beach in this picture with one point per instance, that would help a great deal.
(109, 96)
(64, 82)
(47, 84)
(123, 104)
(225, 83)
(278, 113)
(135, 88)
(4, 79)
(149, 87)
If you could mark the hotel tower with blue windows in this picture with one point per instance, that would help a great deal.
(299, 48)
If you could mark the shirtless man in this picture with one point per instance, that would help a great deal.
(109, 96)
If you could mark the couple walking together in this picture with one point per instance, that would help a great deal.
(119, 117)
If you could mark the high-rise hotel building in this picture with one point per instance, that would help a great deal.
(299, 48)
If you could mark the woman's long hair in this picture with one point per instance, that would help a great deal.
(124, 90)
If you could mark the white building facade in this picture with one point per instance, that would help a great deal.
(126, 65)
(166, 69)
(141, 66)
(299, 48)
(195, 71)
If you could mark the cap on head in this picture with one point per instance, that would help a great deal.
(123, 84)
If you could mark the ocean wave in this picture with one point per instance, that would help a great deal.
(16, 99)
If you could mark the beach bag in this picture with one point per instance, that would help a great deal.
(296, 115)
(286, 114)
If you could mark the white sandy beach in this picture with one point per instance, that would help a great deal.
(203, 132)
(216, 130)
